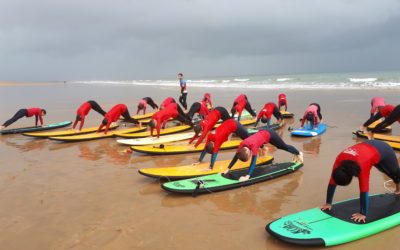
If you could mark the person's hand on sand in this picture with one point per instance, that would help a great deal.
(322, 121)
(357, 217)
(362, 128)
(326, 207)
(2, 127)
(226, 171)
(370, 135)
(244, 178)
(196, 163)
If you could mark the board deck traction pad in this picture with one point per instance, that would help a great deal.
(308, 132)
(220, 182)
(35, 128)
(314, 227)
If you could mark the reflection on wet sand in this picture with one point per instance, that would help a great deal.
(312, 146)
(24, 144)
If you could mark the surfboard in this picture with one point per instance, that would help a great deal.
(155, 140)
(314, 227)
(95, 136)
(190, 171)
(391, 138)
(286, 114)
(34, 129)
(221, 182)
(274, 126)
(64, 132)
(165, 131)
(145, 116)
(180, 149)
(307, 131)
(384, 130)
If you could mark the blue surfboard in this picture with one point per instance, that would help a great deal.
(307, 131)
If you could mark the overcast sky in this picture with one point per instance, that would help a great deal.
(121, 40)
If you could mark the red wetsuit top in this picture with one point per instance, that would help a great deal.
(386, 110)
(282, 99)
(267, 110)
(83, 111)
(365, 155)
(254, 142)
(162, 117)
(207, 125)
(203, 109)
(37, 112)
(311, 109)
(221, 134)
(375, 103)
(207, 99)
(240, 103)
(113, 115)
(167, 101)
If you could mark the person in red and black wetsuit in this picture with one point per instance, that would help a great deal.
(113, 115)
(142, 105)
(197, 107)
(312, 115)
(160, 118)
(166, 102)
(252, 144)
(37, 112)
(391, 114)
(282, 101)
(241, 102)
(266, 113)
(83, 111)
(220, 135)
(207, 100)
(183, 96)
(357, 161)
(206, 125)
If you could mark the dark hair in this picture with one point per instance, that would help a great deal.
(140, 106)
(310, 117)
(197, 128)
(152, 123)
(233, 110)
(265, 120)
(210, 147)
(180, 74)
(44, 111)
(105, 121)
(78, 118)
(243, 155)
(344, 173)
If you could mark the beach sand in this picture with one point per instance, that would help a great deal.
(89, 195)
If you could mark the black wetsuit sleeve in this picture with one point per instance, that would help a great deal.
(330, 192)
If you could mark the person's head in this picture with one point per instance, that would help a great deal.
(197, 128)
(152, 123)
(233, 110)
(344, 173)
(105, 121)
(264, 119)
(78, 118)
(310, 117)
(244, 154)
(210, 147)
(140, 106)
(180, 76)
(43, 112)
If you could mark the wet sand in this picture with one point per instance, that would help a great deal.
(89, 195)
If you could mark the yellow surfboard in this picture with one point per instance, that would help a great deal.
(375, 123)
(95, 136)
(65, 132)
(190, 171)
(180, 149)
(394, 145)
(286, 114)
(391, 138)
(145, 116)
(165, 131)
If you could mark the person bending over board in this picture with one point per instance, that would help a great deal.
(206, 125)
(113, 115)
(266, 113)
(37, 112)
(241, 102)
(376, 103)
(166, 102)
(84, 110)
(197, 107)
(142, 105)
(357, 161)
(207, 100)
(391, 114)
(160, 118)
(282, 101)
(312, 115)
(220, 135)
(183, 96)
(251, 146)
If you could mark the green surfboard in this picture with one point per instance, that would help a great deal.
(314, 227)
(221, 182)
